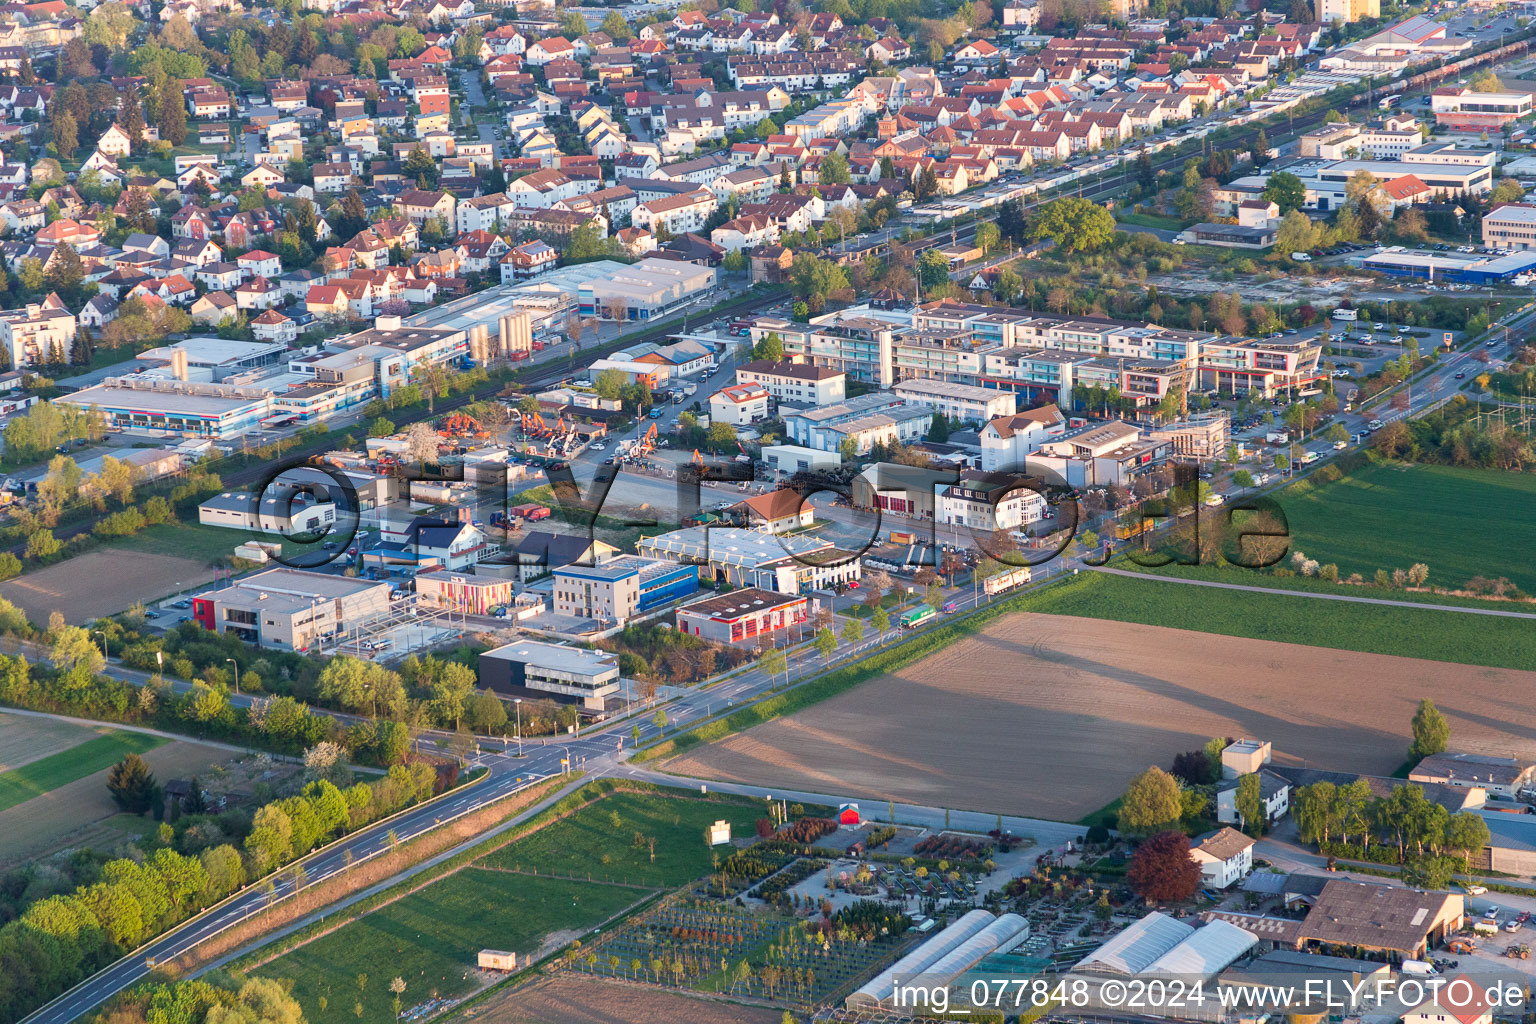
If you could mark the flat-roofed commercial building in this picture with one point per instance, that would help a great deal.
(1462, 109)
(867, 420)
(621, 588)
(462, 592)
(1510, 226)
(187, 408)
(1204, 436)
(1445, 179)
(752, 558)
(396, 348)
(214, 359)
(644, 290)
(742, 616)
(290, 609)
(532, 670)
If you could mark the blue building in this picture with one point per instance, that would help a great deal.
(621, 588)
(1451, 267)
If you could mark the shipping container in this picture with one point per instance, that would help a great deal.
(531, 512)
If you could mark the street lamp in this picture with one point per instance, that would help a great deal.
(106, 656)
(518, 705)
(235, 663)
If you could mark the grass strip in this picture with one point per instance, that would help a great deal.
(19, 785)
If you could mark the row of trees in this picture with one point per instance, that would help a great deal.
(215, 998)
(1404, 827)
(65, 937)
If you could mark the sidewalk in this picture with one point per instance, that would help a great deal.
(1046, 834)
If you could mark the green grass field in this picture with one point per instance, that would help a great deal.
(430, 939)
(1460, 522)
(1436, 635)
(19, 785)
(188, 540)
(600, 839)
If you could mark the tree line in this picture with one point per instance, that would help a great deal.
(61, 939)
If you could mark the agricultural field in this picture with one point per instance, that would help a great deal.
(1084, 705)
(1431, 634)
(81, 813)
(26, 738)
(430, 938)
(600, 840)
(102, 582)
(572, 999)
(45, 774)
(1460, 522)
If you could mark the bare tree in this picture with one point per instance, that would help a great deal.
(421, 443)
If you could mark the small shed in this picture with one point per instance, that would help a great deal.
(848, 814)
(497, 960)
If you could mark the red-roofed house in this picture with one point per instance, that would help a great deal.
(1461, 1000)
(259, 263)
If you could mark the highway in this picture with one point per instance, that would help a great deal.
(334, 859)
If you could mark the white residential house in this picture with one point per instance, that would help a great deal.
(739, 404)
(1007, 440)
(1274, 794)
(1225, 857)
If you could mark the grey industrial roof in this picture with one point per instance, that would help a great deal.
(557, 657)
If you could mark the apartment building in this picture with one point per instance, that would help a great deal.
(963, 402)
(795, 383)
(1262, 366)
(1008, 440)
(676, 214)
(1347, 10)
(989, 502)
(38, 333)
(739, 404)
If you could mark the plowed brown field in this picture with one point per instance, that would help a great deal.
(1050, 716)
(570, 1000)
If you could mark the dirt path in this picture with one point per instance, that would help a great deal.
(1050, 716)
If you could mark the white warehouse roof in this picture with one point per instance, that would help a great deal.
(1208, 951)
(1139, 946)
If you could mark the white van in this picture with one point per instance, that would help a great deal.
(1301, 257)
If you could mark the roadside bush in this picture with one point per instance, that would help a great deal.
(121, 524)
